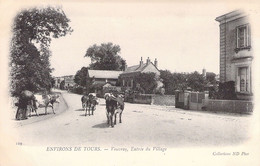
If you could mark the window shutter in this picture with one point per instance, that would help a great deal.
(237, 38)
(249, 35)
(246, 34)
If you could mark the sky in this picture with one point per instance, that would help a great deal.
(184, 37)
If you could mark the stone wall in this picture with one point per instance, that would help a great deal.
(142, 99)
(232, 106)
(168, 100)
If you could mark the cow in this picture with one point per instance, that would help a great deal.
(91, 104)
(84, 101)
(120, 107)
(46, 101)
(114, 106)
(95, 97)
(26, 104)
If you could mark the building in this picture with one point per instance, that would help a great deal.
(236, 52)
(127, 77)
(58, 80)
(104, 76)
(69, 81)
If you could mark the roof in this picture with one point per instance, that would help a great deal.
(231, 16)
(106, 74)
(137, 68)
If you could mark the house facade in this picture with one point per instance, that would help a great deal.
(236, 52)
(127, 77)
(69, 81)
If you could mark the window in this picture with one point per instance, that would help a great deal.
(243, 37)
(244, 79)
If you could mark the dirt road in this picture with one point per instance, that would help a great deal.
(142, 125)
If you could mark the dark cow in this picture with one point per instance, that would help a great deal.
(114, 106)
(90, 103)
(26, 104)
(84, 101)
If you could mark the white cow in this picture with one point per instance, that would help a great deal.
(47, 101)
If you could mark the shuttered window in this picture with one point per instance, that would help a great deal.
(243, 36)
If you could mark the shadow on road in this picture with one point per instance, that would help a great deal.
(85, 115)
(82, 109)
(41, 114)
(101, 125)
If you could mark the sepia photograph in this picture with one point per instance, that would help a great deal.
(129, 83)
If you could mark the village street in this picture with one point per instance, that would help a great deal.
(142, 125)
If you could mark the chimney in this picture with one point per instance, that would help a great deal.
(125, 67)
(148, 60)
(155, 62)
(204, 72)
(141, 61)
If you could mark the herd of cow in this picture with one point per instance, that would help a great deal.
(114, 106)
(29, 102)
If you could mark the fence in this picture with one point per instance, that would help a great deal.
(233, 106)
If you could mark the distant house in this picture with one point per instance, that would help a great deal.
(127, 77)
(69, 81)
(104, 76)
(58, 80)
(236, 54)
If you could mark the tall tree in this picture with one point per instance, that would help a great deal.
(81, 76)
(33, 30)
(105, 57)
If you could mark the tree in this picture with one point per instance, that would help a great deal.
(105, 57)
(81, 76)
(211, 78)
(181, 81)
(196, 81)
(32, 31)
(168, 81)
(147, 81)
